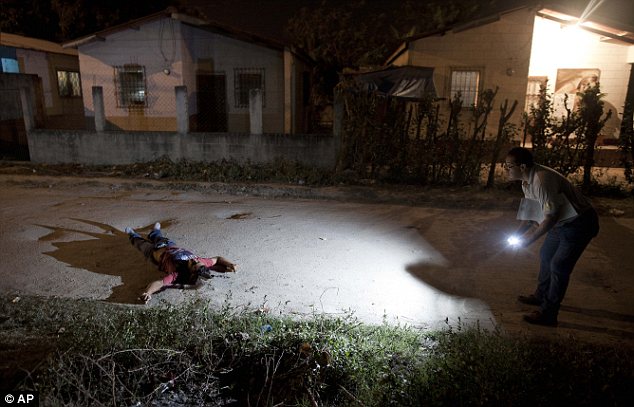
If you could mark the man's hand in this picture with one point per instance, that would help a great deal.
(145, 297)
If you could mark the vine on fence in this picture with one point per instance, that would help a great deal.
(394, 139)
(626, 141)
(415, 141)
(567, 143)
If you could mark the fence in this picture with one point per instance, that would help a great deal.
(119, 147)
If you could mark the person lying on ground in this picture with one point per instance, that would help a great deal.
(181, 267)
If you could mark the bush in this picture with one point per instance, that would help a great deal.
(193, 354)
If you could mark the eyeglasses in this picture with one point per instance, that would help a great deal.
(508, 166)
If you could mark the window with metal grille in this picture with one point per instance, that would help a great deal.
(467, 83)
(246, 79)
(130, 86)
(68, 84)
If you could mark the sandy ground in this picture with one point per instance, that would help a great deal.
(418, 263)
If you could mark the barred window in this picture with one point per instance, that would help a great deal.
(68, 84)
(535, 84)
(246, 79)
(130, 86)
(467, 83)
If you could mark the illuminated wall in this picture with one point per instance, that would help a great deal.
(569, 56)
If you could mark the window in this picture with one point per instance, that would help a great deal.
(10, 65)
(535, 83)
(68, 84)
(246, 79)
(467, 83)
(130, 86)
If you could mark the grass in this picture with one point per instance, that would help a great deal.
(192, 354)
(280, 171)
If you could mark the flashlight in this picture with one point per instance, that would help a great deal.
(514, 241)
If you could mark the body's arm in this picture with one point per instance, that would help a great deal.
(223, 265)
(153, 287)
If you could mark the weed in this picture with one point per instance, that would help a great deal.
(193, 354)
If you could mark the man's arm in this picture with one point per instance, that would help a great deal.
(152, 288)
(524, 227)
(532, 235)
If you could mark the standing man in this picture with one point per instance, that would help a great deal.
(569, 222)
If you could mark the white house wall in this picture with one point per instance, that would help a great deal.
(569, 47)
(213, 52)
(155, 46)
(182, 49)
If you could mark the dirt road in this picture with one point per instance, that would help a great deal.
(420, 265)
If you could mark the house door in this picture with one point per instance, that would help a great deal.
(211, 101)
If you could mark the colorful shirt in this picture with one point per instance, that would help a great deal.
(175, 262)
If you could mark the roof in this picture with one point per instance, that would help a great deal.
(611, 15)
(610, 18)
(35, 44)
(267, 19)
(190, 17)
(613, 19)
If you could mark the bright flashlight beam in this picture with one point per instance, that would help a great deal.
(590, 8)
(513, 241)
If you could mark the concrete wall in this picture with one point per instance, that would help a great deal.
(62, 105)
(13, 139)
(110, 148)
(45, 66)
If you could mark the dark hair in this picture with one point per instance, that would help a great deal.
(522, 156)
(184, 275)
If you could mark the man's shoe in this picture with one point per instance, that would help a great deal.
(129, 230)
(539, 318)
(157, 226)
(529, 299)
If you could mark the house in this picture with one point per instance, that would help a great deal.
(138, 65)
(522, 47)
(51, 73)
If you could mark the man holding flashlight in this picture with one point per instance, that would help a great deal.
(569, 223)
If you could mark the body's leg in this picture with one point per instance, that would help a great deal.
(144, 246)
(156, 237)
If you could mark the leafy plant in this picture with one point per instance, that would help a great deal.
(198, 354)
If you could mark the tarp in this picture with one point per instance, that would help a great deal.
(412, 82)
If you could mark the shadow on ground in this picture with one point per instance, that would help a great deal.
(109, 252)
(470, 274)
